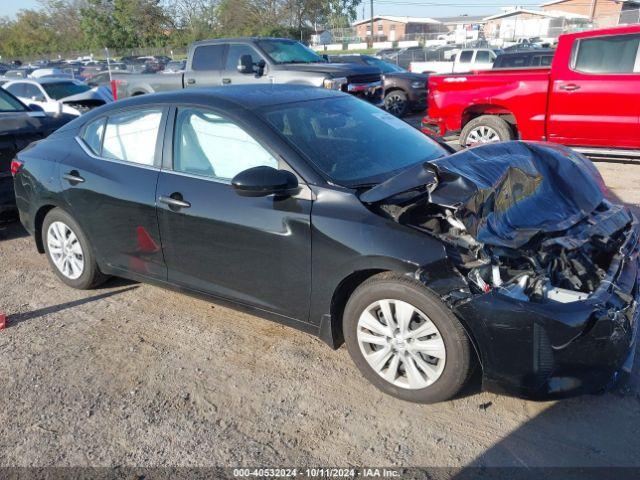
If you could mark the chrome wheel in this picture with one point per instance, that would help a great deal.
(65, 250)
(482, 134)
(401, 344)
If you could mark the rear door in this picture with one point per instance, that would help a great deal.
(109, 181)
(596, 100)
(206, 66)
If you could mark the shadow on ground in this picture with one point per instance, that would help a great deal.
(41, 312)
(11, 230)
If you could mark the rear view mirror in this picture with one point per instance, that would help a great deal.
(263, 181)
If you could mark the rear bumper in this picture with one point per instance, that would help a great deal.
(551, 350)
(433, 126)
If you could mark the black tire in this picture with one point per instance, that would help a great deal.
(91, 275)
(396, 103)
(493, 122)
(459, 359)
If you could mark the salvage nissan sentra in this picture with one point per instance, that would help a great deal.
(320, 211)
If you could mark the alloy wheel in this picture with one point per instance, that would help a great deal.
(482, 134)
(65, 250)
(395, 104)
(401, 344)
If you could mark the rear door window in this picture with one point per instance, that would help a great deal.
(207, 58)
(466, 56)
(131, 136)
(16, 89)
(608, 55)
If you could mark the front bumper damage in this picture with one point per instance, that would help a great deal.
(541, 268)
(554, 350)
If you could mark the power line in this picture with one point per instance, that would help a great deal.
(439, 4)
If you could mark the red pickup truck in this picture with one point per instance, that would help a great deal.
(589, 99)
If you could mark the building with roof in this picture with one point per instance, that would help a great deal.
(514, 23)
(392, 28)
(603, 13)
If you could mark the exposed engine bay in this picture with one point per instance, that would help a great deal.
(528, 220)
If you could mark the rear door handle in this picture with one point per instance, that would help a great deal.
(73, 177)
(191, 81)
(226, 81)
(570, 87)
(174, 203)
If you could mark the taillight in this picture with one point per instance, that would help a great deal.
(15, 166)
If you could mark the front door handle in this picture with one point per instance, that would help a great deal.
(226, 81)
(191, 81)
(73, 177)
(570, 87)
(174, 201)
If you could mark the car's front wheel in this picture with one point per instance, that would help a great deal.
(405, 340)
(69, 252)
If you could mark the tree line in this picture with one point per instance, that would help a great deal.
(78, 25)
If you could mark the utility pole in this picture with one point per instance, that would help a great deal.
(371, 23)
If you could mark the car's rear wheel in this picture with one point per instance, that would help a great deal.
(405, 340)
(396, 103)
(69, 252)
(486, 129)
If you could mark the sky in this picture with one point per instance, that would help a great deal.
(414, 8)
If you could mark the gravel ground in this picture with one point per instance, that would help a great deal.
(130, 374)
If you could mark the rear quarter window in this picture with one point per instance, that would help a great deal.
(93, 134)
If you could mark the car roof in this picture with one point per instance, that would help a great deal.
(249, 97)
(239, 39)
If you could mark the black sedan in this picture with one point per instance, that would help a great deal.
(19, 126)
(322, 212)
(404, 91)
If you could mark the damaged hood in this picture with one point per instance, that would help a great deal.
(97, 93)
(504, 193)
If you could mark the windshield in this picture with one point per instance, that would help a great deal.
(60, 90)
(10, 104)
(385, 67)
(351, 141)
(288, 51)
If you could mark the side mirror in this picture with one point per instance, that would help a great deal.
(263, 181)
(35, 108)
(245, 64)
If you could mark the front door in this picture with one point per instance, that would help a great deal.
(230, 74)
(596, 101)
(256, 251)
(109, 181)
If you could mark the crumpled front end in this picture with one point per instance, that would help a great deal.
(550, 263)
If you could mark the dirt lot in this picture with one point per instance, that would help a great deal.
(134, 375)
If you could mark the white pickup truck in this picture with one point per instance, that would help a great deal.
(460, 61)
